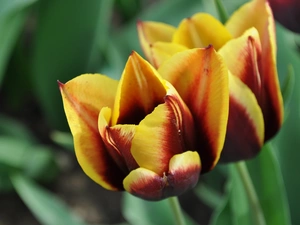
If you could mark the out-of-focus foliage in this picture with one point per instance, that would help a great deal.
(42, 41)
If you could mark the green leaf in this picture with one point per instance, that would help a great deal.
(13, 14)
(208, 195)
(269, 186)
(210, 188)
(268, 181)
(64, 48)
(222, 11)
(46, 207)
(234, 209)
(140, 212)
(222, 212)
(63, 139)
(13, 128)
(288, 85)
(288, 141)
(36, 161)
(13, 152)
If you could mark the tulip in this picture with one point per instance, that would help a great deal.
(138, 135)
(287, 12)
(248, 46)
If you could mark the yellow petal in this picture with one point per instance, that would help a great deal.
(243, 19)
(246, 17)
(201, 30)
(182, 175)
(151, 32)
(201, 78)
(140, 90)
(83, 97)
(167, 131)
(161, 51)
(245, 128)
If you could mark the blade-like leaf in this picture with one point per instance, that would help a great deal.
(268, 181)
(13, 128)
(64, 48)
(288, 141)
(222, 213)
(36, 161)
(63, 139)
(234, 209)
(288, 84)
(46, 207)
(13, 14)
(221, 11)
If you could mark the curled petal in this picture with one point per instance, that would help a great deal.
(117, 140)
(182, 175)
(167, 131)
(201, 78)
(247, 50)
(151, 32)
(83, 97)
(139, 91)
(201, 30)
(243, 19)
(245, 128)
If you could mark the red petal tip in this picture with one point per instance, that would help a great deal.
(60, 84)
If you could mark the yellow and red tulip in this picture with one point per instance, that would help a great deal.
(138, 135)
(248, 46)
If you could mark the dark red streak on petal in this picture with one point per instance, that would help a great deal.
(241, 140)
(172, 184)
(269, 103)
(251, 57)
(106, 166)
(204, 142)
(123, 144)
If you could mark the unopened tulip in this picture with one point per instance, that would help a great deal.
(248, 46)
(138, 135)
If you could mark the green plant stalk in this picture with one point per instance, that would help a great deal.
(221, 11)
(179, 218)
(257, 213)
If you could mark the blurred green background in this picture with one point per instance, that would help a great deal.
(42, 41)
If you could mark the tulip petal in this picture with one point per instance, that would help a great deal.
(243, 19)
(161, 51)
(83, 97)
(201, 78)
(246, 17)
(167, 131)
(247, 50)
(140, 90)
(117, 140)
(182, 175)
(245, 128)
(201, 30)
(151, 32)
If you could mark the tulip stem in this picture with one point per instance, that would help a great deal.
(258, 216)
(179, 218)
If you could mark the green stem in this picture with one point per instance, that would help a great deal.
(179, 218)
(222, 11)
(257, 212)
